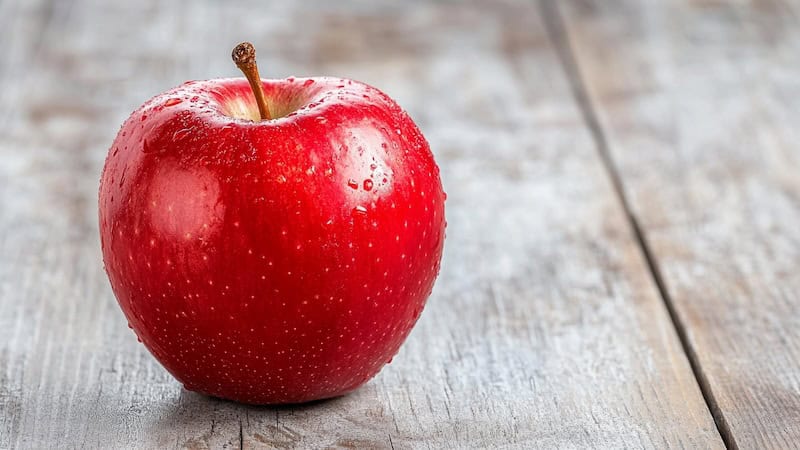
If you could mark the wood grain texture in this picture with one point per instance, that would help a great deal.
(545, 328)
(699, 103)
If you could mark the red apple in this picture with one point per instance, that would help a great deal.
(271, 261)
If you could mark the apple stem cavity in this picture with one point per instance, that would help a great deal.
(244, 55)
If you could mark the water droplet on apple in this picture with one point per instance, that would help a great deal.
(360, 210)
(352, 183)
(367, 185)
(172, 102)
(180, 134)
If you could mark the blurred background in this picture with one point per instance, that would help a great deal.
(621, 261)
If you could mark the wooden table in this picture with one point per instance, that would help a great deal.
(621, 265)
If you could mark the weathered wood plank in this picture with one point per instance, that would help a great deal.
(699, 102)
(545, 329)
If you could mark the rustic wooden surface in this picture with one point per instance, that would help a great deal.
(699, 103)
(622, 194)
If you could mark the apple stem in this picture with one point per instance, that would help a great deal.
(244, 55)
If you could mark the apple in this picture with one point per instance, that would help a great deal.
(271, 241)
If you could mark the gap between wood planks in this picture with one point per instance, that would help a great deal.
(554, 25)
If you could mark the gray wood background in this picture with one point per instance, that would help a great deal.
(621, 266)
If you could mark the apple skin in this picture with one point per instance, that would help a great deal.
(277, 261)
